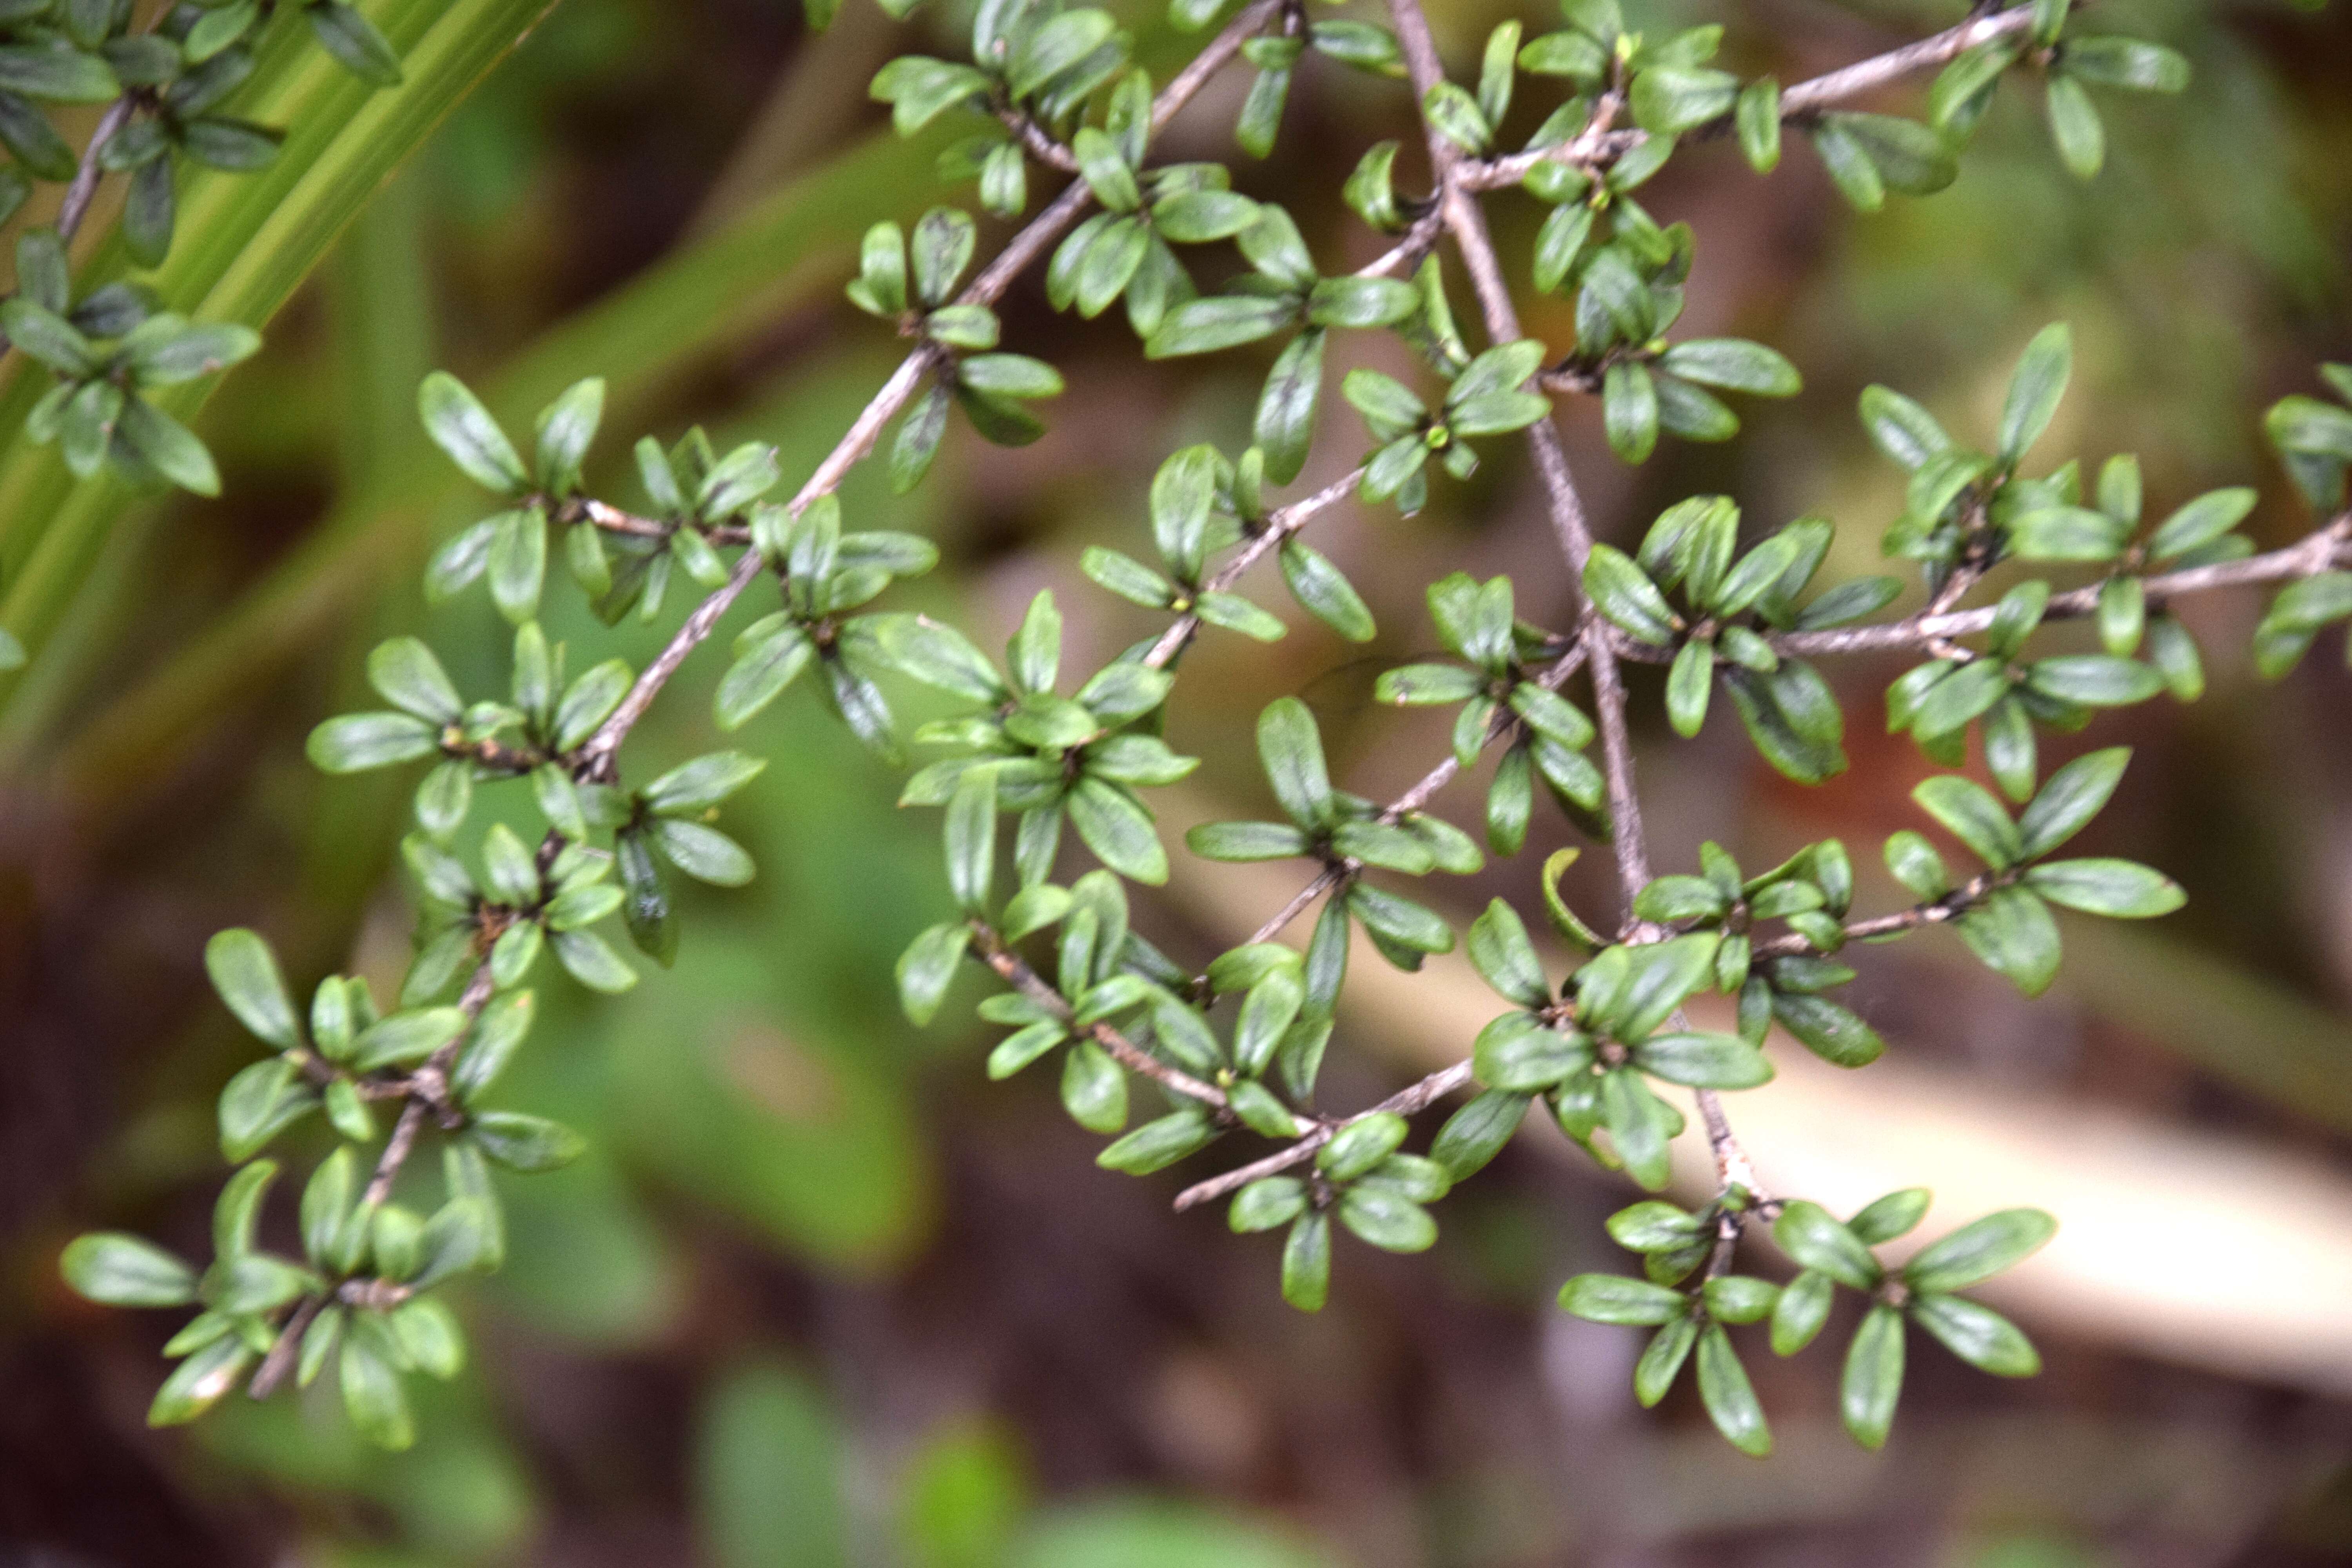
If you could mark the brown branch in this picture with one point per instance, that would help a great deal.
(1590, 149)
(428, 1090)
(2324, 549)
(84, 189)
(1409, 1100)
(613, 519)
(1864, 76)
(1035, 142)
(281, 1359)
(1015, 972)
(1406, 254)
(1935, 911)
(1593, 149)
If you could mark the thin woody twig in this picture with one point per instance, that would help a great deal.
(1015, 972)
(84, 189)
(428, 1090)
(2323, 550)
(1799, 103)
(1407, 1101)
(1844, 85)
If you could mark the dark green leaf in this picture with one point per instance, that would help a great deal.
(2099, 887)
(1729, 1397)
(1117, 828)
(1977, 1335)
(245, 972)
(1385, 1220)
(353, 39)
(2014, 934)
(123, 1270)
(1629, 410)
(1873, 1381)
(523, 1142)
(1306, 1263)
(1971, 814)
(1619, 590)
(1800, 1310)
(1475, 1134)
(1810, 1233)
(1702, 1061)
(1613, 1298)
(463, 428)
(1977, 1251)
(1831, 1032)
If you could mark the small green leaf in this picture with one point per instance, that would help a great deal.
(2201, 523)
(2069, 800)
(2093, 679)
(1306, 1263)
(1900, 428)
(1500, 947)
(464, 429)
(1265, 1204)
(1291, 747)
(1977, 1251)
(1361, 1144)
(1285, 424)
(1619, 590)
(1813, 1236)
(1629, 410)
(1873, 1381)
(1382, 1219)
(2035, 388)
(1758, 118)
(1689, 683)
(1702, 1061)
(1800, 1310)
(1613, 1298)
(523, 1142)
(2134, 65)
(1729, 1397)
(354, 40)
(1971, 814)
(1160, 1144)
(2102, 886)
(200, 1382)
(2074, 126)
(372, 1396)
(405, 1038)
(1977, 1335)
(1663, 1359)
(1668, 100)
(123, 1270)
(1475, 1134)
(245, 972)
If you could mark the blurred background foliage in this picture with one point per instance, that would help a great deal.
(821, 1295)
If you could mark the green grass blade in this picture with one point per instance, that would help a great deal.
(244, 243)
